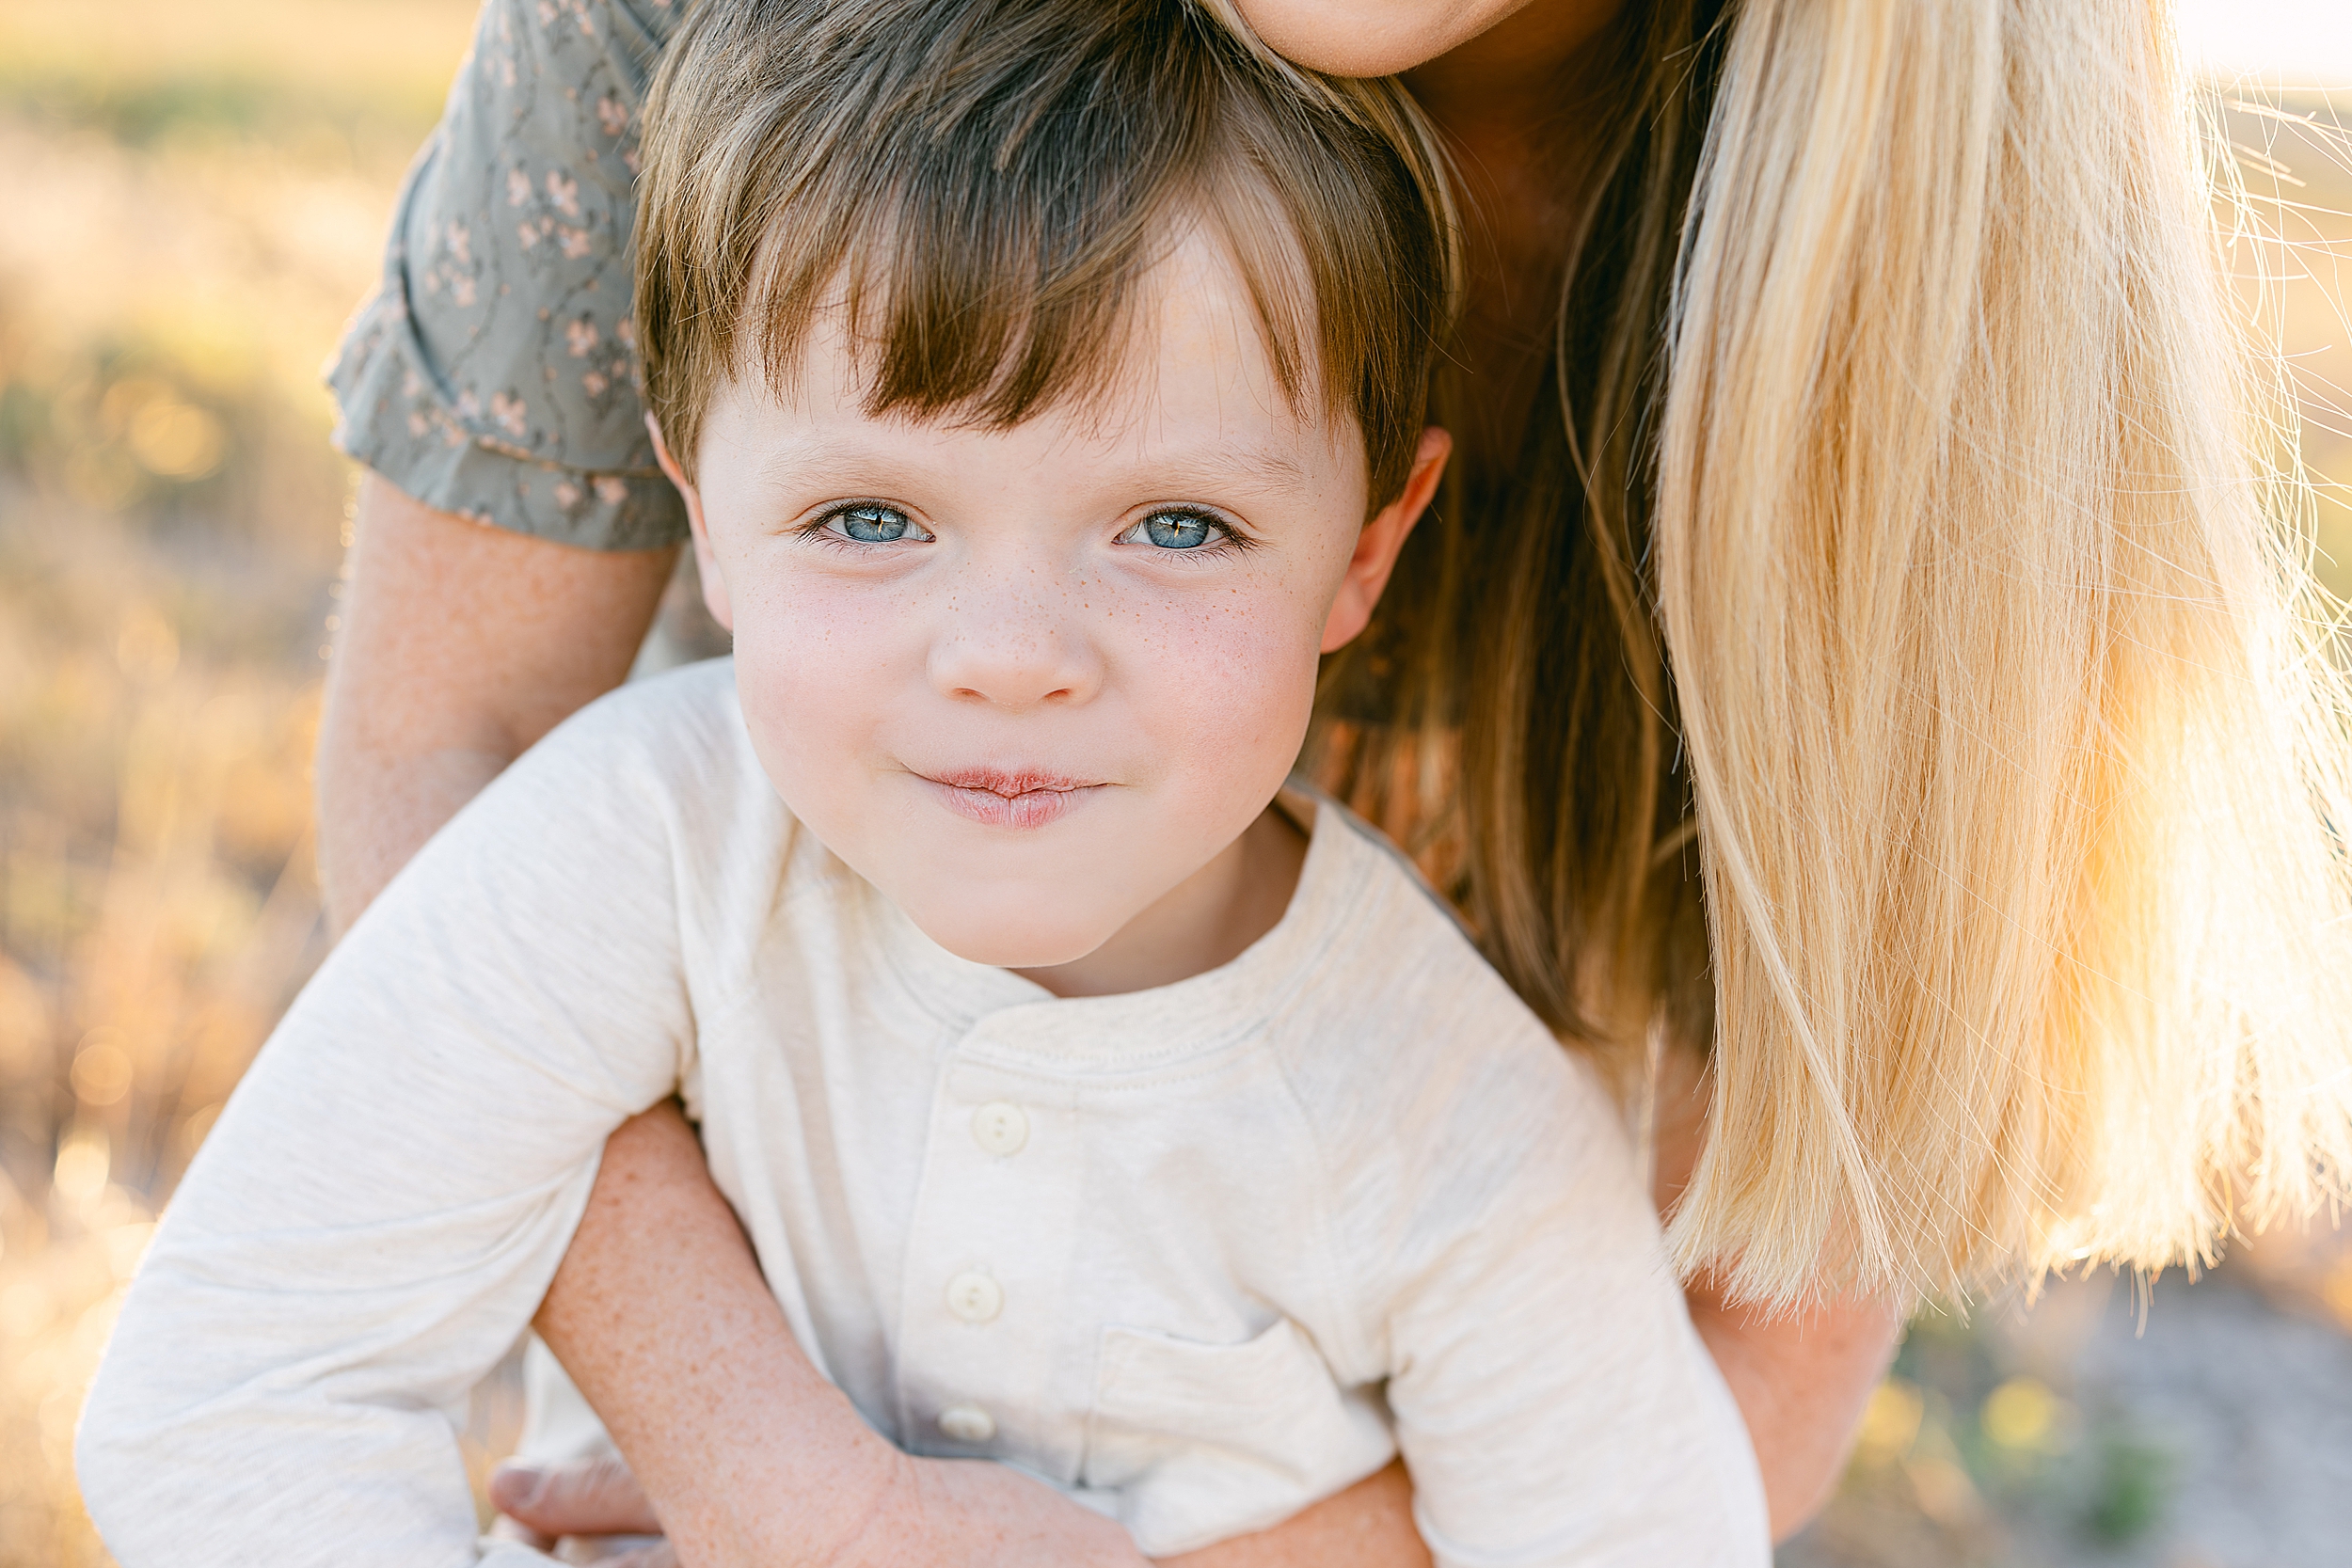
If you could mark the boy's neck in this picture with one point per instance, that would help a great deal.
(1204, 923)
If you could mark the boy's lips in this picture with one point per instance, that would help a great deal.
(997, 798)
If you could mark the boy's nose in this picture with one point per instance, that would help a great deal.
(1015, 655)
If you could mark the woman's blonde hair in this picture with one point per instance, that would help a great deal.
(1922, 605)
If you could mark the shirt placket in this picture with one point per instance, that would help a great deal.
(985, 1327)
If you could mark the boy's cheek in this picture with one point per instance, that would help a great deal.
(813, 648)
(1234, 668)
(810, 705)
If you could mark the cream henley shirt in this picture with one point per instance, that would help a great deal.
(1196, 1256)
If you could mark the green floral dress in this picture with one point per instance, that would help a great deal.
(493, 371)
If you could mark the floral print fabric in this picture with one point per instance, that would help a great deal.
(493, 371)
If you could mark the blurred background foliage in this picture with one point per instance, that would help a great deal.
(197, 197)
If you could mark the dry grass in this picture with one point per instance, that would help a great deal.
(197, 198)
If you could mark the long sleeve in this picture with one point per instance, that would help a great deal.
(379, 1212)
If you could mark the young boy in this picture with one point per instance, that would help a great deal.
(1043, 380)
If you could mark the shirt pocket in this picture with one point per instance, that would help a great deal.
(1199, 1442)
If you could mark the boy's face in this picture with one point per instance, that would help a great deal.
(1028, 681)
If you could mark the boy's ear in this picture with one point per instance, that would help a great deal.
(705, 564)
(1382, 538)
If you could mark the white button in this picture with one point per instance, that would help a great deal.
(974, 1297)
(967, 1423)
(1000, 1128)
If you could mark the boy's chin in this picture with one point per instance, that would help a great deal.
(1008, 938)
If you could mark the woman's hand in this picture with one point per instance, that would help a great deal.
(1368, 1526)
(579, 1496)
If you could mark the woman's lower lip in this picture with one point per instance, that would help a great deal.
(1030, 808)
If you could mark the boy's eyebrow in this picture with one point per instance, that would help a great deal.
(1250, 465)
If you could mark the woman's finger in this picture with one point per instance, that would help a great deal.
(583, 1497)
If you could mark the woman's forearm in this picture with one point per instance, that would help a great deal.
(1801, 1378)
(461, 645)
(1368, 1526)
(660, 1315)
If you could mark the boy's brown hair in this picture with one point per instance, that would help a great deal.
(987, 185)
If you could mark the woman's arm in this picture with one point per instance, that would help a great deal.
(748, 1455)
(462, 645)
(1801, 1378)
(1802, 1381)
(692, 1363)
(661, 1316)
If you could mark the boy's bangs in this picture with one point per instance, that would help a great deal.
(986, 188)
(1029, 320)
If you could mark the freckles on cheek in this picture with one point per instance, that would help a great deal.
(812, 627)
(1235, 672)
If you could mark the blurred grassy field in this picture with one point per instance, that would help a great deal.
(196, 198)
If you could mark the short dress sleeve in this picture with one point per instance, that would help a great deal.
(493, 371)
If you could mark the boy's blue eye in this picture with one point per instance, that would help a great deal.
(871, 523)
(1175, 530)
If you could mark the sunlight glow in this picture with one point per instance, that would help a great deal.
(2305, 43)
